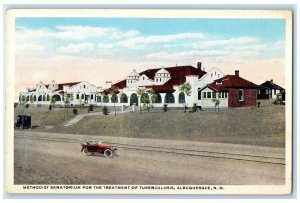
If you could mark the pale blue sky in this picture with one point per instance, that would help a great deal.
(109, 48)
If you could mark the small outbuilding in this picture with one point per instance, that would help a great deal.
(268, 90)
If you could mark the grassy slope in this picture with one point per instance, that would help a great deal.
(263, 126)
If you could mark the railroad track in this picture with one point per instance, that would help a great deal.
(178, 151)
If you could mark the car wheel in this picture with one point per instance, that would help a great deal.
(108, 153)
(85, 152)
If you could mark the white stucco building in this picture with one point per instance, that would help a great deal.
(77, 93)
(164, 81)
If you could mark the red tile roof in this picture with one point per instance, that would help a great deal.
(231, 81)
(178, 74)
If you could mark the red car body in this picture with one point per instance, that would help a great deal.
(97, 148)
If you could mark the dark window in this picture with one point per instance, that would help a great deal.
(208, 95)
(158, 100)
(213, 95)
(77, 96)
(123, 98)
(98, 98)
(105, 99)
(181, 98)
(92, 96)
(241, 95)
(204, 95)
(225, 93)
(169, 98)
(82, 96)
(199, 95)
(114, 98)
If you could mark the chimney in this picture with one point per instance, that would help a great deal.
(199, 64)
(237, 73)
(271, 80)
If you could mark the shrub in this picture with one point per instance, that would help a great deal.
(194, 109)
(105, 110)
(165, 108)
(26, 106)
(75, 111)
(91, 108)
(258, 104)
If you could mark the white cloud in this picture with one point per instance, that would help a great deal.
(76, 48)
(21, 48)
(75, 33)
(141, 41)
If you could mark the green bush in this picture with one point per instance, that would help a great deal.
(194, 109)
(165, 108)
(105, 110)
(91, 108)
(75, 111)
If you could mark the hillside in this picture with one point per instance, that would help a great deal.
(264, 126)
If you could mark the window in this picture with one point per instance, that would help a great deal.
(160, 80)
(77, 96)
(213, 95)
(208, 95)
(204, 95)
(83, 86)
(92, 96)
(241, 95)
(225, 94)
(199, 95)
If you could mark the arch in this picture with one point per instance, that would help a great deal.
(114, 98)
(145, 98)
(56, 97)
(169, 98)
(158, 99)
(34, 98)
(27, 98)
(40, 98)
(105, 99)
(123, 98)
(181, 98)
(134, 99)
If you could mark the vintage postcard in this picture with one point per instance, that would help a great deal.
(137, 101)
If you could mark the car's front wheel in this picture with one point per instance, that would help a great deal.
(108, 153)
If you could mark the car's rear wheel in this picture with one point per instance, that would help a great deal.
(85, 152)
(108, 153)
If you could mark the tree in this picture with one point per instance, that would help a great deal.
(148, 101)
(186, 88)
(31, 99)
(139, 92)
(52, 101)
(217, 103)
(101, 95)
(68, 100)
(113, 92)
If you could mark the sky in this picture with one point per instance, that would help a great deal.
(108, 49)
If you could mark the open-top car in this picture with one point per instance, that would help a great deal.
(96, 147)
(23, 121)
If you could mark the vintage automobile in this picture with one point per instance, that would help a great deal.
(96, 147)
(23, 121)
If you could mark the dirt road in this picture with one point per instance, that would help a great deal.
(48, 158)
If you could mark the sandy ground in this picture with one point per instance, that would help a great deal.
(52, 162)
